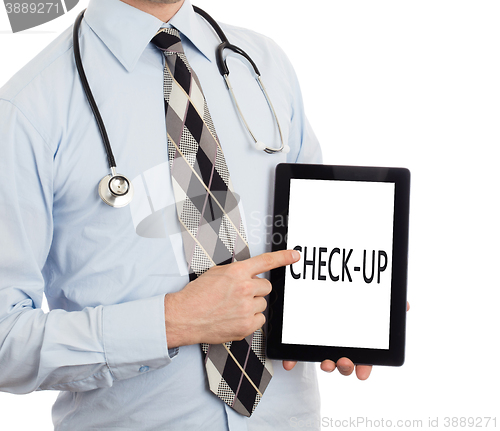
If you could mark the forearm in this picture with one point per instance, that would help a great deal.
(81, 350)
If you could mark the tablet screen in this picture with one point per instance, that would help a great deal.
(344, 232)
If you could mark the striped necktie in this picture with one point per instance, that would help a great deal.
(213, 232)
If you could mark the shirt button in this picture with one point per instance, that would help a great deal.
(143, 369)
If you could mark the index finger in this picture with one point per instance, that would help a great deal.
(267, 261)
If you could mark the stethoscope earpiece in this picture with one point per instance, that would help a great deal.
(260, 146)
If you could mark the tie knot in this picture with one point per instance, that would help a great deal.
(168, 40)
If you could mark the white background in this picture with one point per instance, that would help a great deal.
(396, 83)
(352, 216)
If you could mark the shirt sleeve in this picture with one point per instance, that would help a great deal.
(301, 131)
(304, 145)
(74, 351)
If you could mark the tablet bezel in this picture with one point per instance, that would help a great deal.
(394, 356)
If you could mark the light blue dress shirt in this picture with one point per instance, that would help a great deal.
(105, 271)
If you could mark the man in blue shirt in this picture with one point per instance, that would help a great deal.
(121, 339)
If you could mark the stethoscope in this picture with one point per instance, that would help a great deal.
(116, 189)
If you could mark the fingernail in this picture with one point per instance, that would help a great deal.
(295, 255)
(343, 369)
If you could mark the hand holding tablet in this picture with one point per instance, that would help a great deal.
(346, 297)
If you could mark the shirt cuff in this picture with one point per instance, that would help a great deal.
(134, 337)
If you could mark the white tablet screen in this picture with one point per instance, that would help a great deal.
(339, 293)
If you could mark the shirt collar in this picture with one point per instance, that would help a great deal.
(196, 29)
(127, 31)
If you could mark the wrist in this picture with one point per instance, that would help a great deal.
(177, 331)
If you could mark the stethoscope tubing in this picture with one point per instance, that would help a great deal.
(224, 71)
(88, 92)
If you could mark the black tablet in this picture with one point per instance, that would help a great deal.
(346, 297)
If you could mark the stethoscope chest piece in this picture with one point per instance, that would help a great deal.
(116, 190)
